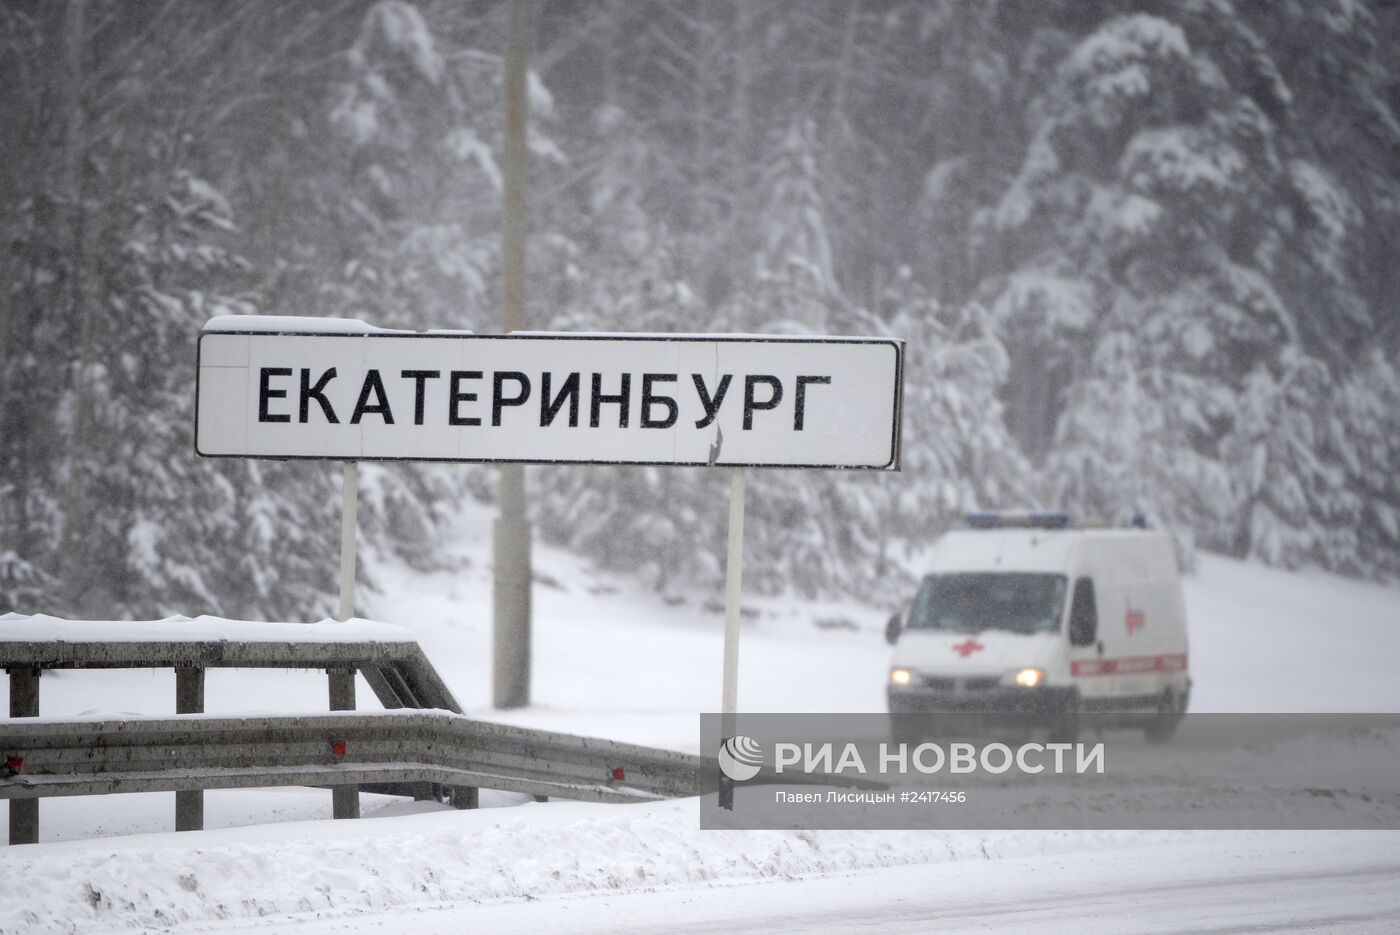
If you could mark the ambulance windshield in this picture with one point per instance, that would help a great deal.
(970, 602)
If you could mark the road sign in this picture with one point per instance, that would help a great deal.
(287, 388)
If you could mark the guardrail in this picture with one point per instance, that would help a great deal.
(433, 753)
(196, 752)
(387, 656)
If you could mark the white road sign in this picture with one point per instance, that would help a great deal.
(366, 394)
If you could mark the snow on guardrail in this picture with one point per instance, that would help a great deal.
(37, 628)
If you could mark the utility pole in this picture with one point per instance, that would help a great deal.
(74, 499)
(511, 644)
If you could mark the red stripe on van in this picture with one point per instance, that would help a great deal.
(1128, 665)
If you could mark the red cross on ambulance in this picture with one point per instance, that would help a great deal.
(968, 647)
(1134, 619)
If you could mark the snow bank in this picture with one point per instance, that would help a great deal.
(498, 854)
(1263, 639)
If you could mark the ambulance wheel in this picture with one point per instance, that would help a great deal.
(1163, 725)
(1064, 728)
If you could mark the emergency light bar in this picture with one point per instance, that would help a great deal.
(1037, 519)
(1018, 519)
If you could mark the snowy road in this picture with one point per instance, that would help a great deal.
(1298, 882)
(621, 662)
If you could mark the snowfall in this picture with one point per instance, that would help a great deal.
(613, 658)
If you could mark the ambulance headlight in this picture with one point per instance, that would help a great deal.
(1030, 678)
(901, 676)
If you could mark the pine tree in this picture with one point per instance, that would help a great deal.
(1360, 428)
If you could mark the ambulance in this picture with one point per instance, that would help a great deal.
(1033, 613)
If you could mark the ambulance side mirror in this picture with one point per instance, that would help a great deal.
(893, 628)
(1083, 614)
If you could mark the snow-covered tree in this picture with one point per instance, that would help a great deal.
(1143, 255)
(1173, 244)
(1361, 430)
(1294, 506)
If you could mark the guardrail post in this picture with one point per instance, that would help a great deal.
(189, 699)
(24, 702)
(345, 800)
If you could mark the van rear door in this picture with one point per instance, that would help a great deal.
(1140, 625)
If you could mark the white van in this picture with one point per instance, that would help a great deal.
(1032, 613)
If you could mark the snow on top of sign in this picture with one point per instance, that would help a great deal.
(700, 336)
(301, 324)
(298, 324)
(42, 627)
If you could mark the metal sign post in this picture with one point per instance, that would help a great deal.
(345, 800)
(349, 509)
(733, 588)
(733, 585)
